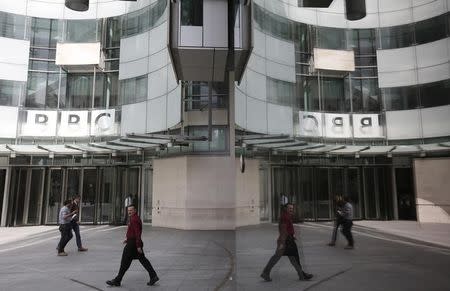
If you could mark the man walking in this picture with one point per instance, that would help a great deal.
(65, 216)
(347, 216)
(133, 250)
(128, 201)
(286, 246)
(75, 223)
(338, 204)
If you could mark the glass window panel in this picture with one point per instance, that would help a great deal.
(192, 12)
(396, 36)
(12, 25)
(431, 29)
(333, 97)
(308, 93)
(400, 98)
(112, 88)
(82, 30)
(112, 33)
(79, 90)
(130, 24)
(10, 92)
(218, 139)
(365, 95)
(42, 90)
(45, 32)
(435, 94)
(47, 54)
(280, 92)
(331, 38)
(141, 88)
(127, 90)
(363, 41)
(99, 94)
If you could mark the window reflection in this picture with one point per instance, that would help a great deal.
(192, 12)
(85, 30)
(10, 92)
(79, 90)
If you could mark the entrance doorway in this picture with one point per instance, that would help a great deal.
(405, 194)
(26, 196)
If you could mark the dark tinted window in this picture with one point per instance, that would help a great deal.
(12, 25)
(10, 92)
(431, 29)
(331, 38)
(397, 36)
(192, 12)
(400, 98)
(365, 95)
(435, 94)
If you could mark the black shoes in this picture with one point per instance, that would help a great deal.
(306, 276)
(113, 282)
(331, 244)
(153, 281)
(266, 277)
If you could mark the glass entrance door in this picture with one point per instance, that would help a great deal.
(26, 196)
(55, 195)
(89, 195)
(2, 191)
(104, 203)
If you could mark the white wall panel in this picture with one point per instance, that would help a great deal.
(280, 72)
(397, 79)
(257, 63)
(280, 51)
(394, 18)
(157, 83)
(370, 21)
(331, 19)
(434, 73)
(389, 5)
(133, 118)
(158, 38)
(8, 116)
(133, 68)
(174, 107)
(279, 119)
(134, 47)
(158, 60)
(171, 79)
(16, 6)
(156, 114)
(429, 10)
(304, 15)
(256, 115)
(240, 107)
(256, 85)
(215, 29)
(110, 9)
(14, 56)
(403, 124)
(45, 10)
(91, 13)
(433, 53)
(13, 72)
(436, 121)
(393, 60)
(259, 43)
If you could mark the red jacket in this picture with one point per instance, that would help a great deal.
(285, 227)
(134, 230)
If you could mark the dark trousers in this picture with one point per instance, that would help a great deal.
(76, 230)
(66, 235)
(338, 222)
(347, 231)
(295, 261)
(129, 254)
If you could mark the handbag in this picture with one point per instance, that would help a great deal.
(291, 247)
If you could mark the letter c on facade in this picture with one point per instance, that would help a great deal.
(40, 119)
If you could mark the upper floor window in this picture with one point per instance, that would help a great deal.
(192, 12)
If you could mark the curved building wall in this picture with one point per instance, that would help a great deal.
(400, 86)
(134, 89)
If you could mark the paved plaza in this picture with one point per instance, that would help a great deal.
(225, 260)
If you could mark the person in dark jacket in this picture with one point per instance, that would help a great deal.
(133, 250)
(339, 220)
(347, 215)
(286, 246)
(75, 222)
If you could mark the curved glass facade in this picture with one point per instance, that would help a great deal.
(355, 93)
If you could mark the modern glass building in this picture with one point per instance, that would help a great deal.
(131, 98)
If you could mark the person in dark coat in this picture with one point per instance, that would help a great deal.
(286, 246)
(133, 250)
(339, 220)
